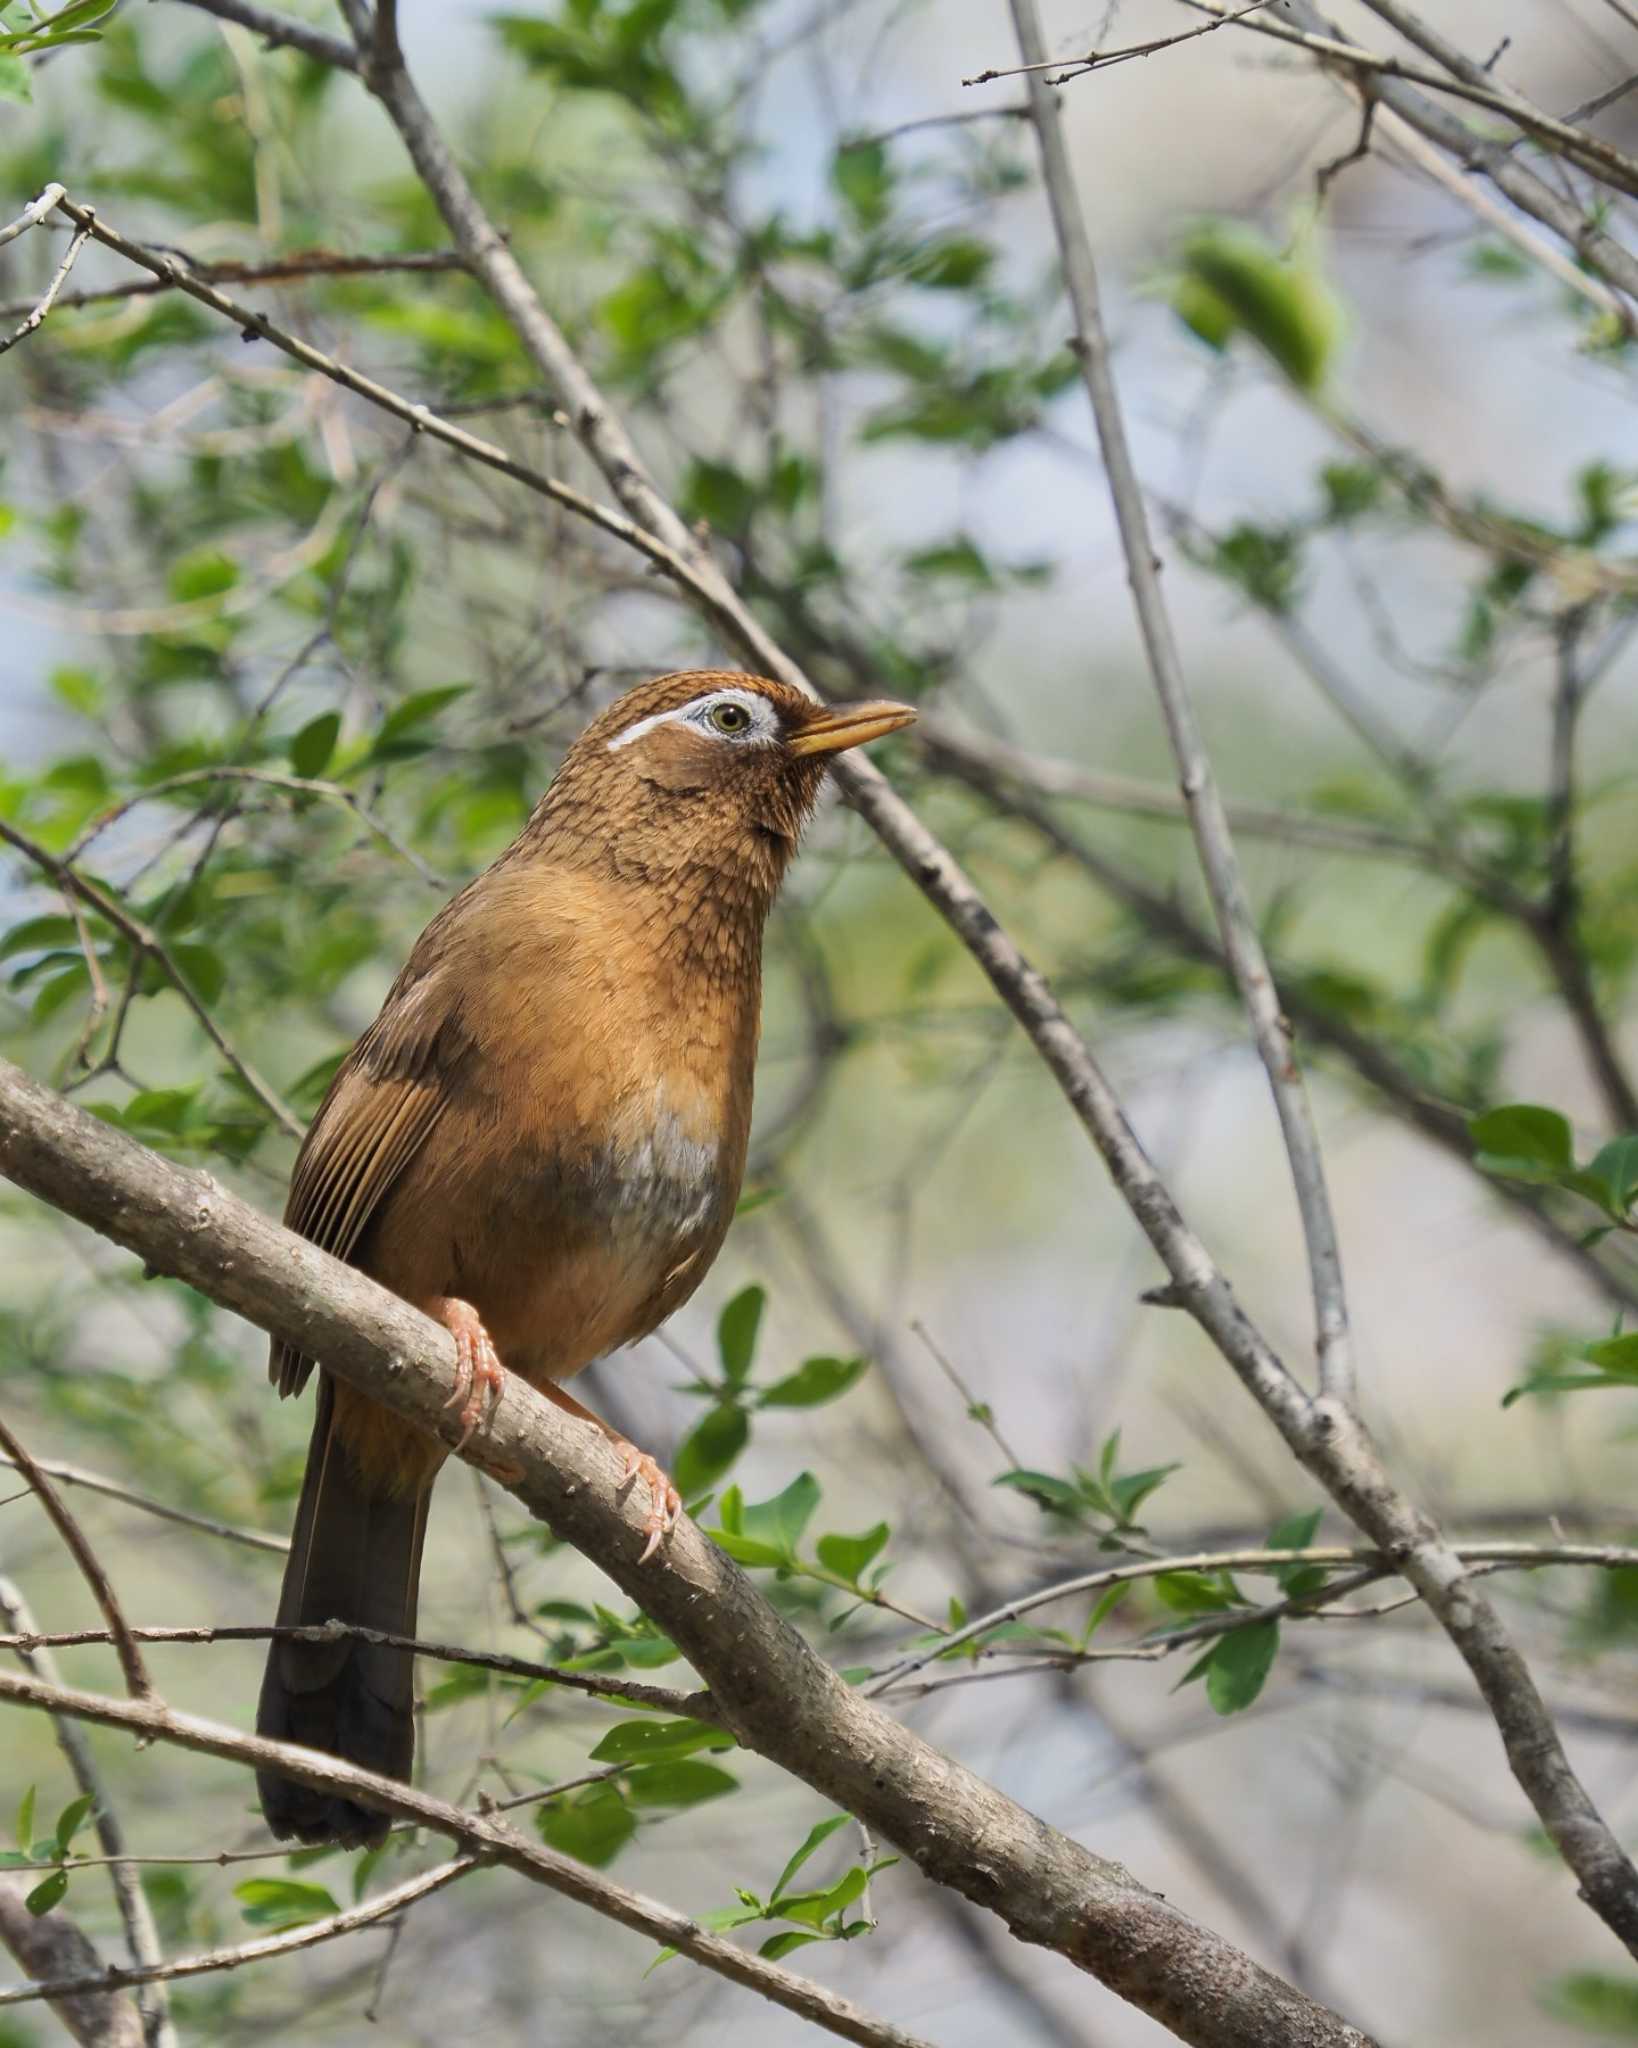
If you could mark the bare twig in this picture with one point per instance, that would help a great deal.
(1100, 60)
(94, 1482)
(1269, 1027)
(298, 264)
(90, 1565)
(48, 297)
(278, 31)
(31, 215)
(663, 1699)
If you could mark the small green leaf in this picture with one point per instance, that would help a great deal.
(781, 1944)
(746, 1549)
(399, 734)
(15, 83)
(737, 1331)
(1603, 2005)
(592, 1827)
(812, 1909)
(1193, 1592)
(72, 1819)
(23, 1827)
(1295, 1532)
(1522, 1133)
(1240, 1664)
(1056, 1496)
(815, 1838)
(47, 1893)
(847, 1556)
(709, 1449)
(650, 1741)
(1285, 306)
(1617, 1356)
(1616, 1168)
(684, 1781)
(815, 1381)
(311, 748)
(281, 1902)
(863, 180)
(779, 1522)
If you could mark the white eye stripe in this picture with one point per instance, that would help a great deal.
(762, 731)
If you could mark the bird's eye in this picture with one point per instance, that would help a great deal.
(729, 718)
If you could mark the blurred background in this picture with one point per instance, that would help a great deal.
(816, 269)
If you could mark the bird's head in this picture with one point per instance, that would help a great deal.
(705, 771)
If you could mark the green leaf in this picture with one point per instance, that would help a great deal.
(709, 1448)
(1616, 1168)
(779, 1522)
(847, 1556)
(863, 180)
(737, 1328)
(281, 1902)
(1056, 1496)
(1106, 1606)
(72, 1819)
(1240, 1663)
(682, 1782)
(1604, 2005)
(1295, 1532)
(746, 1550)
(15, 83)
(1617, 1356)
(1522, 1134)
(47, 1893)
(781, 1944)
(206, 572)
(1131, 1489)
(1283, 305)
(1193, 1592)
(23, 1827)
(399, 733)
(815, 1838)
(311, 748)
(812, 1909)
(650, 1741)
(815, 1381)
(592, 1827)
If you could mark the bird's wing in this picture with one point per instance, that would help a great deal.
(386, 1098)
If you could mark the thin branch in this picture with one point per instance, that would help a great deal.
(278, 31)
(664, 1699)
(1100, 60)
(94, 1482)
(137, 1681)
(48, 297)
(298, 264)
(31, 215)
(1270, 1030)
(301, 785)
(141, 1934)
(366, 1914)
(480, 1837)
(143, 941)
(1325, 1434)
(1374, 1564)
(777, 1696)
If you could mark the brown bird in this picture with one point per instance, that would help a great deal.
(539, 1142)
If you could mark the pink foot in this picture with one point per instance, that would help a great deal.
(664, 1501)
(480, 1376)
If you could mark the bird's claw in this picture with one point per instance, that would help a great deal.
(664, 1501)
(480, 1378)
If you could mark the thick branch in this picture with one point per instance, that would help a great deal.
(771, 1689)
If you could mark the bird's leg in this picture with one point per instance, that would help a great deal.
(664, 1501)
(479, 1374)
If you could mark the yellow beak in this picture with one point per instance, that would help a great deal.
(849, 725)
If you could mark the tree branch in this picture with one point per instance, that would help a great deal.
(1325, 1434)
(51, 1947)
(776, 1695)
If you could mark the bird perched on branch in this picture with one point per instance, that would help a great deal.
(539, 1142)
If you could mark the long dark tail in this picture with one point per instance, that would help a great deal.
(355, 1556)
